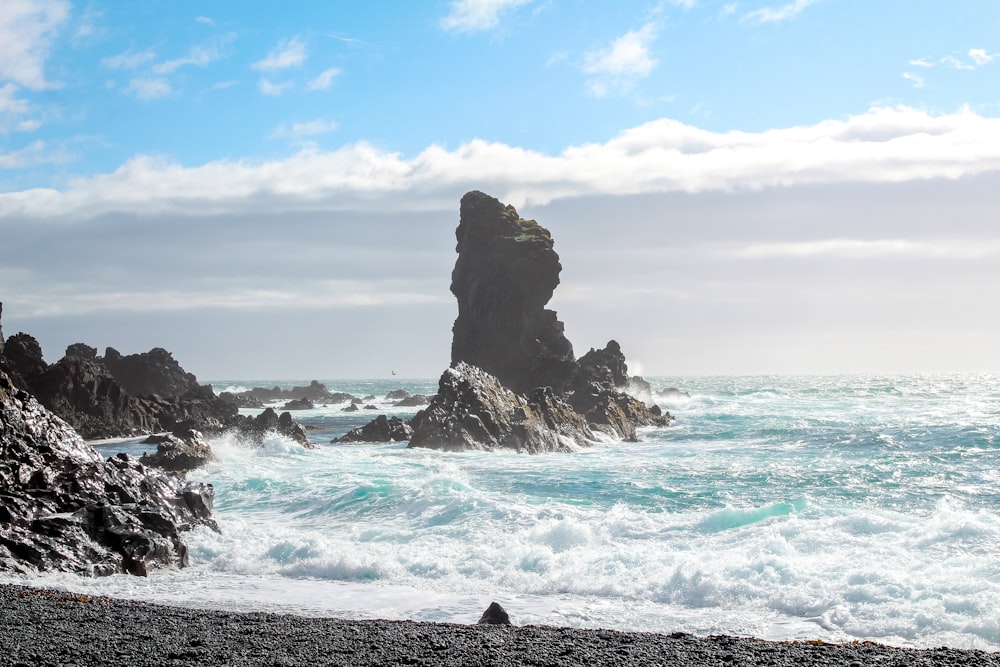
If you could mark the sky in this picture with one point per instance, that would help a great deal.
(270, 190)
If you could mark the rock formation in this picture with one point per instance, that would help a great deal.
(514, 381)
(255, 429)
(151, 373)
(380, 429)
(505, 273)
(64, 508)
(473, 410)
(178, 452)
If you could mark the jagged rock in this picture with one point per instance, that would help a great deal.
(353, 407)
(298, 404)
(180, 451)
(82, 351)
(606, 366)
(315, 391)
(397, 395)
(514, 381)
(241, 400)
(413, 400)
(64, 508)
(495, 614)
(23, 358)
(154, 372)
(473, 410)
(254, 429)
(505, 273)
(380, 429)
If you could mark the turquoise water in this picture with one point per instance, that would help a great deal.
(837, 508)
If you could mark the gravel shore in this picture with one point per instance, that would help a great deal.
(42, 627)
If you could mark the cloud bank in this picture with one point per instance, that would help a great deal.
(883, 145)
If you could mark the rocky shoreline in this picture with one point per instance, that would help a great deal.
(44, 627)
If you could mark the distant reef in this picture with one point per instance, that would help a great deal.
(514, 382)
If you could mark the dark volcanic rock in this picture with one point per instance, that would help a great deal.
(495, 614)
(514, 381)
(82, 351)
(241, 400)
(315, 391)
(64, 508)
(180, 451)
(298, 404)
(380, 429)
(473, 410)
(413, 401)
(23, 358)
(353, 407)
(149, 373)
(255, 429)
(505, 273)
(397, 395)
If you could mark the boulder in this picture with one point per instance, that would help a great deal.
(474, 410)
(606, 366)
(505, 273)
(298, 404)
(396, 395)
(23, 358)
(495, 614)
(178, 452)
(64, 508)
(353, 407)
(380, 429)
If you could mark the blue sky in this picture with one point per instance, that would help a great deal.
(743, 187)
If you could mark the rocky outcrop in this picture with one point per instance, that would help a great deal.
(62, 507)
(474, 410)
(298, 404)
(380, 429)
(505, 273)
(178, 452)
(254, 429)
(151, 373)
(413, 401)
(23, 358)
(315, 391)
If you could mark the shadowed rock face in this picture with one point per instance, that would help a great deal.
(506, 272)
(154, 372)
(62, 507)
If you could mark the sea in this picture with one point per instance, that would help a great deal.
(840, 509)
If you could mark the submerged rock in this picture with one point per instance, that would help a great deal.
(65, 508)
(380, 429)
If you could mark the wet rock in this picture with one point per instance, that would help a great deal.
(414, 400)
(353, 407)
(671, 393)
(397, 395)
(380, 429)
(495, 614)
(474, 410)
(299, 404)
(66, 509)
(179, 452)
(254, 430)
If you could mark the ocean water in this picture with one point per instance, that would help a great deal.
(833, 508)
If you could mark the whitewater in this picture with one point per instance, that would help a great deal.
(833, 508)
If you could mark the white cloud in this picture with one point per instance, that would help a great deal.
(921, 62)
(478, 15)
(273, 89)
(198, 56)
(945, 249)
(325, 78)
(617, 67)
(915, 79)
(884, 145)
(128, 59)
(34, 154)
(27, 28)
(980, 57)
(149, 88)
(778, 13)
(685, 4)
(307, 129)
(288, 53)
(205, 20)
